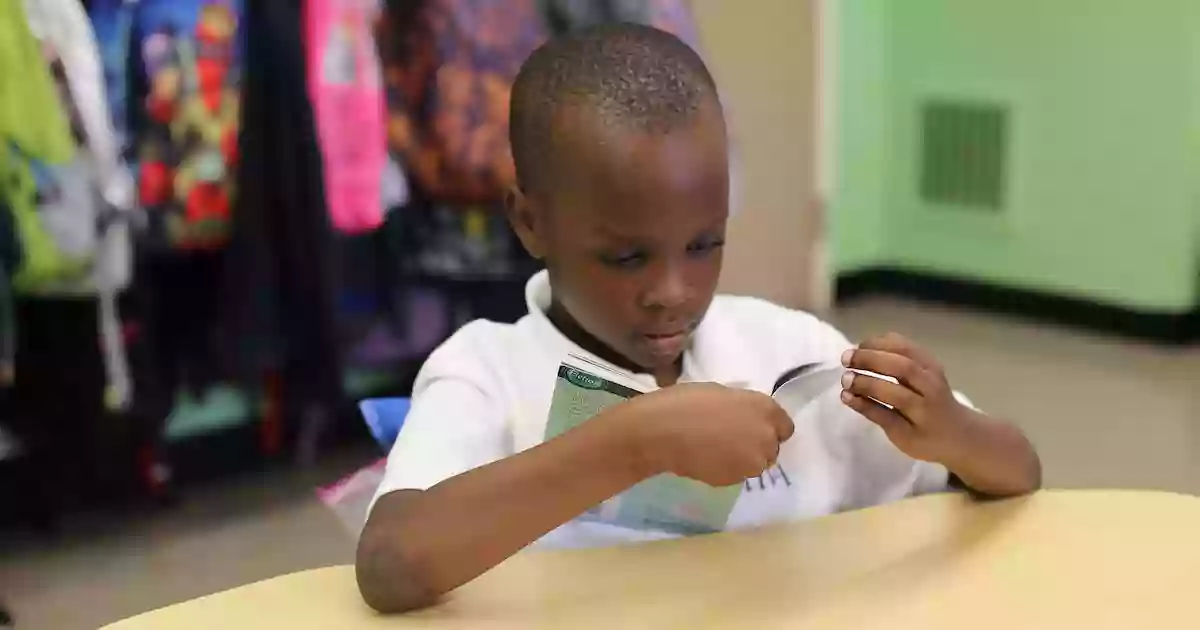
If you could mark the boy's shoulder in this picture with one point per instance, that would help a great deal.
(476, 340)
(483, 348)
(479, 354)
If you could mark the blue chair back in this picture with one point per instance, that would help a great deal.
(385, 418)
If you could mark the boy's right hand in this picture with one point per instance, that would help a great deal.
(708, 432)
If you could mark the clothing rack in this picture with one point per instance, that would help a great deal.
(246, 275)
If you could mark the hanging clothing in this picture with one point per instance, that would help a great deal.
(64, 26)
(34, 123)
(10, 259)
(58, 397)
(176, 301)
(177, 351)
(88, 204)
(33, 133)
(84, 205)
(282, 265)
(470, 243)
(449, 67)
(71, 206)
(345, 86)
(185, 59)
(185, 125)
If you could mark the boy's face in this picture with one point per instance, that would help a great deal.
(631, 229)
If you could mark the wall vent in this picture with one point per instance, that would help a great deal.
(964, 154)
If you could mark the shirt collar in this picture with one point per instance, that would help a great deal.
(709, 358)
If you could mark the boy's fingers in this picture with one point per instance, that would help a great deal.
(784, 427)
(903, 399)
(897, 366)
(899, 344)
(892, 423)
(773, 456)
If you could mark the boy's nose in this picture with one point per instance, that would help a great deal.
(669, 291)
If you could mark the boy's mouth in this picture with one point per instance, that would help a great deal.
(668, 344)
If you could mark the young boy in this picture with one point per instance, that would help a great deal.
(620, 148)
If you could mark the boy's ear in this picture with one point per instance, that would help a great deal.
(525, 218)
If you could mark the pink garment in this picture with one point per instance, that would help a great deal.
(345, 87)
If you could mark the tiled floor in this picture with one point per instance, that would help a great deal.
(1103, 413)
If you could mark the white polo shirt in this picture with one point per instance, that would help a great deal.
(485, 394)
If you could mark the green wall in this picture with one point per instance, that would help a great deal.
(863, 133)
(1104, 176)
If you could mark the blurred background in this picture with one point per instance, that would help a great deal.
(224, 222)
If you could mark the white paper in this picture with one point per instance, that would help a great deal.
(807, 386)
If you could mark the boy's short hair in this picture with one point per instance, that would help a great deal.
(634, 77)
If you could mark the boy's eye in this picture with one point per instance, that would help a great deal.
(625, 260)
(703, 247)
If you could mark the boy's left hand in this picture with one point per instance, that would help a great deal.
(926, 421)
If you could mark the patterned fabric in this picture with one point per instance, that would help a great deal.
(448, 68)
(189, 56)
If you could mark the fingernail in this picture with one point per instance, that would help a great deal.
(847, 380)
(847, 397)
(847, 357)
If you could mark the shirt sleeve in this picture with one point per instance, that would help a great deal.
(456, 422)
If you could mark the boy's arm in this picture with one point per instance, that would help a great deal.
(994, 458)
(417, 546)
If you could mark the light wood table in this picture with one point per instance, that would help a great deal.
(1092, 560)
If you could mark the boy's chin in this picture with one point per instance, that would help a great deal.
(658, 353)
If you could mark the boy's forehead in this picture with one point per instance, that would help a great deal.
(622, 182)
(595, 152)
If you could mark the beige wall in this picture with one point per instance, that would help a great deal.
(763, 54)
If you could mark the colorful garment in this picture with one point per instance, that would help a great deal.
(63, 27)
(84, 204)
(345, 86)
(32, 128)
(448, 68)
(81, 203)
(188, 58)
